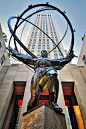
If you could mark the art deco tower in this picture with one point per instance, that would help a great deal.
(38, 41)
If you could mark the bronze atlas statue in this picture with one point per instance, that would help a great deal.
(45, 75)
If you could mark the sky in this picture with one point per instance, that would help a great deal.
(75, 10)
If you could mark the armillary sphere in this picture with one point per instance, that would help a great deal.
(21, 18)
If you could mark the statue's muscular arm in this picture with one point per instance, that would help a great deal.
(60, 63)
(21, 57)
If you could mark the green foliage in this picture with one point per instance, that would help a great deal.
(9, 54)
(83, 37)
(5, 37)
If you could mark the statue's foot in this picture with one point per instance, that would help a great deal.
(32, 103)
(56, 107)
(28, 108)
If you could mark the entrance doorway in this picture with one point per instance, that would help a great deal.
(70, 101)
(14, 109)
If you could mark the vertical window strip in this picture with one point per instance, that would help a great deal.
(0, 45)
(2, 59)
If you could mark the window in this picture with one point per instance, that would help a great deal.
(55, 50)
(55, 34)
(28, 47)
(55, 54)
(2, 59)
(56, 40)
(39, 50)
(33, 47)
(51, 33)
(84, 59)
(44, 43)
(0, 45)
(32, 33)
(38, 53)
(34, 28)
(39, 47)
(35, 33)
(39, 44)
(30, 42)
(43, 46)
(48, 47)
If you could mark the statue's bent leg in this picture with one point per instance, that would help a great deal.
(35, 93)
(53, 87)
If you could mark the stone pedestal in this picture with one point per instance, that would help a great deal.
(43, 117)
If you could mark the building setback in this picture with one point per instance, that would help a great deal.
(15, 86)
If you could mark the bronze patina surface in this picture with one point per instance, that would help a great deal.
(45, 76)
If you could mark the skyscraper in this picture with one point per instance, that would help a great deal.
(38, 41)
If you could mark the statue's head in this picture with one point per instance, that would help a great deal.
(44, 53)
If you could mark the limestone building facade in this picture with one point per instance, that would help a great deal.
(15, 85)
(4, 59)
(82, 56)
